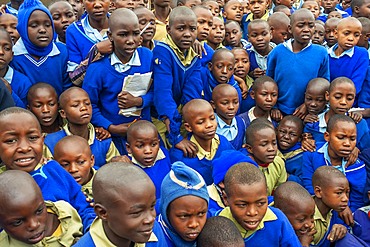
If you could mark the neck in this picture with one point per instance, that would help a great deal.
(3, 71)
(52, 128)
(79, 130)
(338, 51)
(335, 160)
(327, 11)
(324, 210)
(205, 144)
(62, 38)
(258, 112)
(15, 5)
(99, 24)
(297, 47)
(328, 115)
(116, 240)
(52, 224)
(213, 45)
(147, 44)
(266, 51)
(161, 13)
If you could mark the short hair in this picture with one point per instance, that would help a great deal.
(365, 22)
(256, 125)
(322, 83)
(198, 7)
(119, 16)
(279, 8)
(221, 87)
(7, 35)
(233, 22)
(295, 120)
(357, 3)
(258, 21)
(72, 139)
(324, 175)
(37, 86)
(140, 125)
(288, 194)
(194, 103)
(278, 18)
(181, 11)
(17, 110)
(293, 17)
(240, 49)
(257, 84)
(332, 21)
(335, 119)
(243, 174)
(219, 231)
(63, 96)
(347, 20)
(340, 80)
(218, 54)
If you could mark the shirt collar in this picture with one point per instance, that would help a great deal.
(93, 33)
(322, 122)
(185, 59)
(271, 44)
(134, 61)
(20, 49)
(325, 151)
(11, 10)
(203, 153)
(221, 123)
(348, 52)
(289, 45)
(90, 127)
(160, 156)
(9, 75)
(250, 17)
(318, 216)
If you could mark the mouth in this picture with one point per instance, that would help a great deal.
(77, 178)
(37, 237)
(306, 36)
(186, 43)
(251, 224)
(47, 119)
(99, 13)
(267, 106)
(342, 207)
(24, 162)
(147, 232)
(303, 231)
(149, 160)
(270, 158)
(65, 27)
(210, 133)
(204, 34)
(238, 16)
(223, 78)
(342, 110)
(230, 114)
(284, 143)
(192, 235)
(86, 115)
(345, 152)
(43, 39)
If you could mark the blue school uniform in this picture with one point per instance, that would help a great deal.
(20, 84)
(293, 162)
(311, 62)
(324, 17)
(234, 133)
(177, 80)
(247, 18)
(257, 60)
(206, 58)
(10, 10)
(361, 228)
(103, 83)
(356, 174)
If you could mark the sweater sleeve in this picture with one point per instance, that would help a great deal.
(307, 171)
(360, 70)
(6, 99)
(271, 64)
(74, 53)
(324, 71)
(193, 86)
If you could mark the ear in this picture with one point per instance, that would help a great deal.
(100, 211)
(356, 9)
(128, 148)
(168, 29)
(109, 33)
(252, 94)
(224, 14)
(317, 191)
(327, 136)
(213, 104)
(336, 33)
(141, 40)
(92, 158)
(327, 96)
(249, 148)
(210, 66)
(290, 30)
(187, 127)
(62, 113)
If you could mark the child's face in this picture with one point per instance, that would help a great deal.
(217, 33)
(341, 98)
(245, 7)
(40, 29)
(187, 215)
(288, 3)
(183, 32)
(288, 134)
(63, 16)
(221, 3)
(162, 3)
(364, 10)
(312, 6)
(242, 64)
(21, 142)
(315, 100)
(205, 22)
(259, 34)
(97, 9)
(192, 3)
(302, 28)
(280, 34)
(9, 23)
(144, 19)
(318, 34)
(213, 7)
(129, 4)
(334, 196)
(44, 105)
(226, 104)
(6, 51)
(330, 30)
(264, 147)
(25, 220)
(248, 204)
(78, 7)
(233, 35)
(329, 4)
(77, 160)
(77, 108)
(222, 68)
(202, 123)
(143, 145)
(341, 139)
(335, 14)
(258, 8)
(348, 34)
(265, 96)
(234, 12)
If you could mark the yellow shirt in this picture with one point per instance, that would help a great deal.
(160, 156)
(275, 174)
(70, 228)
(321, 225)
(251, 17)
(87, 188)
(203, 154)
(214, 195)
(185, 59)
(161, 30)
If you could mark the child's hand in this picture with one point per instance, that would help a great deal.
(310, 118)
(105, 46)
(119, 129)
(101, 133)
(89, 200)
(242, 85)
(257, 73)
(122, 158)
(276, 114)
(2, 9)
(351, 159)
(346, 216)
(188, 148)
(199, 49)
(308, 143)
(337, 232)
(356, 116)
(307, 238)
(127, 100)
(7, 84)
(301, 111)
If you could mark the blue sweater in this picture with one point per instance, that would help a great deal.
(204, 166)
(356, 175)
(57, 184)
(293, 163)
(239, 139)
(52, 71)
(354, 67)
(292, 72)
(20, 85)
(364, 96)
(206, 58)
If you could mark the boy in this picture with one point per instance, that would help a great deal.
(24, 152)
(73, 153)
(9, 23)
(233, 35)
(299, 207)
(330, 32)
(27, 220)
(213, 7)
(340, 137)
(315, 98)
(365, 33)
(63, 16)
(242, 66)
(76, 110)
(279, 25)
(345, 58)
(233, 11)
(262, 148)
(216, 34)
(125, 212)
(312, 6)
(146, 21)
(259, 10)
(144, 149)
(259, 225)
(306, 61)
(259, 35)
(176, 74)
(162, 10)
(109, 97)
(200, 121)
(183, 205)
(220, 232)
(289, 136)
(329, 6)
(318, 36)
(188, 3)
(360, 8)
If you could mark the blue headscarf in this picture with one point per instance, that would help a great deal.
(24, 13)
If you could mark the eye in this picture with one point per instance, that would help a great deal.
(17, 223)
(10, 141)
(34, 138)
(81, 162)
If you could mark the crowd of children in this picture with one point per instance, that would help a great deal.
(185, 123)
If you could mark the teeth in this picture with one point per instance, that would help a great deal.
(252, 223)
(24, 160)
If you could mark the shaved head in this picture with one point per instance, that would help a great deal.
(193, 107)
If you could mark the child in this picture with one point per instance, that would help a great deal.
(289, 136)
(340, 138)
(73, 153)
(306, 61)
(315, 98)
(216, 34)
(183, 205)
(330, 31)
(329, 6)
(125, 212)
(365, 33)
(225, 102)
(213, 7)
(233, 35)
(200, 121)
(78, 8)
(220, 232)
(162, 10)
(312, 6)
(24, 152)
(259, 10)
(318, 36)
(283, 9)
(107, 96)
(188, 3)
(279, 24)
(262, 148)
(359, 8)
(117, 4)
(242, 66)
(76, 110)
(259, 225)
(345, 58)
(43, 102)
(144, 149)
(176, 74)
(146, 21)
(259, 35)
(35, 53)
(334, 14)
(299, 207)
(9, 23)
(63, 16)
(27, 220)
(233, 11)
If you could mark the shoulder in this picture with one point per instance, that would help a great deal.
(73, 27)
(85, 241)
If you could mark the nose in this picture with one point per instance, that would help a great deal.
(252, 210)
(270, 148)
(224, 70)
(268, 98)
(147, 149)
(73, 168)
(24, 145)
(193, 223)
(64, 19)
(150, 217)
(344, 197)
(239, 64)
(34, 223)
(313, 104)
(346, 142)
(45, 108)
